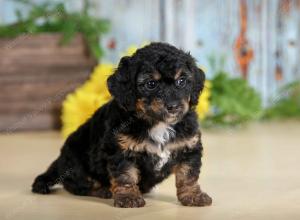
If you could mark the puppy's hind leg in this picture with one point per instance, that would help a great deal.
(43, 182)
(81, 184)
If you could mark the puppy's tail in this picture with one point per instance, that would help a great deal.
(43, 182)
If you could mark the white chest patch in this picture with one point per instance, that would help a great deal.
(161, 133)
(164, 157)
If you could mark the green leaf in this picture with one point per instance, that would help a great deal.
(52, 16)
(233, 101)
(288, 105)
(69, 31)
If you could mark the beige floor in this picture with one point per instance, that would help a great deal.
(251, 173)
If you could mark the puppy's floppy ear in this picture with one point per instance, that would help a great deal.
(198, 85)
(121, 85)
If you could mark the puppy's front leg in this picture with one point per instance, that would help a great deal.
(188, 189)
(124, 180)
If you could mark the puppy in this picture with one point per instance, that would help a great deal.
(148, 131)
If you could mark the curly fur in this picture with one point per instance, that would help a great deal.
(140, 137)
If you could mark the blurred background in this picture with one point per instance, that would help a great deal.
(55, 57)
(249, 49)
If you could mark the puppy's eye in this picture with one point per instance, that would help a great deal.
(181, 82)
(151, 84)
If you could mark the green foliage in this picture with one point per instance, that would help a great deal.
(233, 101)
(288, 103)
(54, 18)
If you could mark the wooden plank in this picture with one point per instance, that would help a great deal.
(38, 40)
(35, 76)
(39, 74)
(29, 121)
(30, 106)
(44, 60)
(20, 70)
(38, 90)
(44, 50)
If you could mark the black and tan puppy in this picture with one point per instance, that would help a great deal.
(148, 131)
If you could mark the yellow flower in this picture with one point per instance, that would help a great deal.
(77, 108)
(81, 104)
(203, 106)
(130, 50)
(97, 82)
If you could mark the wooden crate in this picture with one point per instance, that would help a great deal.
(36, 74)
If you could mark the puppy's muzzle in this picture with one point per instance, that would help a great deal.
(173, 107)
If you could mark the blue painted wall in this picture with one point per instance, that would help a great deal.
(204, 27)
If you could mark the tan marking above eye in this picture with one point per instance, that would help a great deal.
(178, 74)
(156, 75)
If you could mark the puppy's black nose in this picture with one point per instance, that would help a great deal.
(173, 107)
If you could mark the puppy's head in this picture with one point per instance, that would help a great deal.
(159, 82)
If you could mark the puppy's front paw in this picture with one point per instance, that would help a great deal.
(129, 201)
(197, 199)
